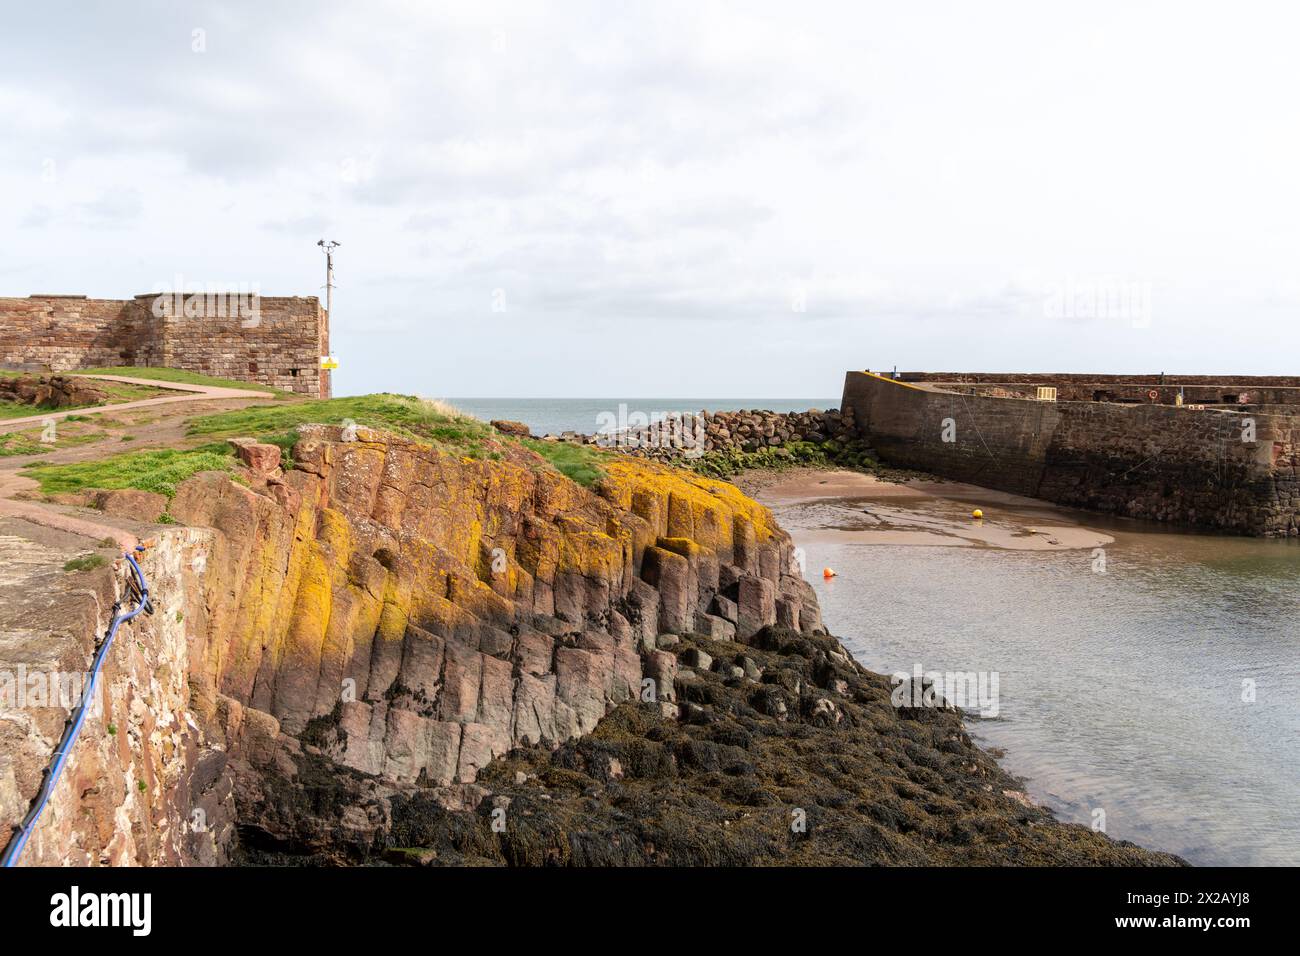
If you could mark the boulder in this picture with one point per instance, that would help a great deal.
(261, 458)
(129, 503)
(507, 427)
(700, 660)
(661, 667)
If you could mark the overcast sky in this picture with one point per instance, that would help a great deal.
(655, 199)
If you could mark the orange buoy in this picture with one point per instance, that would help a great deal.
(977, 513)
(827, 573)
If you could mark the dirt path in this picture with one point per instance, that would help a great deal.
(48, 516)
(190, 393)
(170, 427)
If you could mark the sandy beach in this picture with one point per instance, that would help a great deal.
(873, 510)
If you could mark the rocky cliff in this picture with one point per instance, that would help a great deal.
(410, 615)
(385, 651)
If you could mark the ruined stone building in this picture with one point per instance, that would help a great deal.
(273, 340)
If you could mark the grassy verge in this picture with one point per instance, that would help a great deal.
(181, 376)
(158, 471)
(418, 419)
(405, 415)
(29, 442)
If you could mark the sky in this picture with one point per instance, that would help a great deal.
(660, 198)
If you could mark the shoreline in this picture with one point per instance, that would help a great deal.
(873, 516)
(1014, 523)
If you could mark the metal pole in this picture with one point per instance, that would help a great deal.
(329, 248)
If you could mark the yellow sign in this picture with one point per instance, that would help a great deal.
(329, 362)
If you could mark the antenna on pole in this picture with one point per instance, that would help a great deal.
(327, 362)
(329, 247)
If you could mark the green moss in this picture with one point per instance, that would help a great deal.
(157, 471)
(724, 464)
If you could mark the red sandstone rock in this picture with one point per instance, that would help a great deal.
(507, 427)
(756, 606)
(262, 459)
(351, 600)
(129, 503)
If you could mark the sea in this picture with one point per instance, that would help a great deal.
(1159, 700)
(1155, 695)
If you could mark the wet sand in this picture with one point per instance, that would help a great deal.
(871, 510)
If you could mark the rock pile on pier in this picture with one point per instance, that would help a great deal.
(691, 435)
(50, 391)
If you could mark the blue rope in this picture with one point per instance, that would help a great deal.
(71, 732)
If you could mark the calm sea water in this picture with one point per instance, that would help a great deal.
(556, 415)
(1120, 691)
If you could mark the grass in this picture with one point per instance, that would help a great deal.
(579, 463)
(28, 442)
(157, 471)
(182, 377)
(87, 562)
(418, 419)
(18, 410)
(411, 417)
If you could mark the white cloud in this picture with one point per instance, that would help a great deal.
(652, 186)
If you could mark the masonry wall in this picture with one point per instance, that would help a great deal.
(281, 346)
(1233, 390)
(1145, 461)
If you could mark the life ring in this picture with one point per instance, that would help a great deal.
(1153, 394)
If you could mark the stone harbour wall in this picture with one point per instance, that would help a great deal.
(281, 345)
(1230, 469)
(1235, 390)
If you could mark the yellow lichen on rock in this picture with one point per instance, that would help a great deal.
(680, 504)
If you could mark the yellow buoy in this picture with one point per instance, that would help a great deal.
(827, 573)
(977, 513)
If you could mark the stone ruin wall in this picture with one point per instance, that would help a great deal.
(1158, 462)
(282, 348)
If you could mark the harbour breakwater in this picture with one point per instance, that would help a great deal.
(725, 443)
(1163, 448)
(669, 436)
